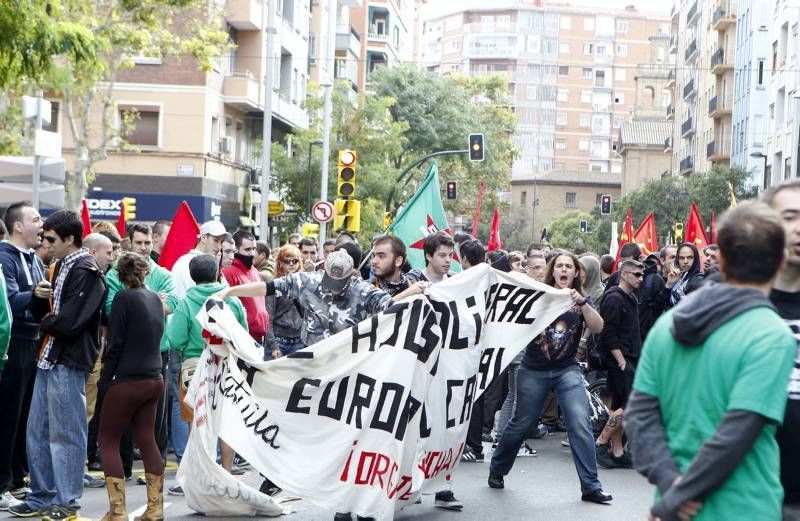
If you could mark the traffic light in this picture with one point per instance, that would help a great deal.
(584, 226)
(310, 230)
(451, 190)
(347, 215)
(346, 186)
(476, 147)
(129, 207)
(678, 233)
(605, 204)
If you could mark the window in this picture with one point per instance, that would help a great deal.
(774, 55)
(523, 198)
(583, 144)
(144, 123)
(600, 79)
(563, 94)
(533, 91)
(563, 47)
(588, 24)
(561, 143)
(566, 22)
(503, 21)
(588, 49)
(561, 118)
(622, 26)
(312, 48)
(53, 126)
(453, 45)
(586, 120)
(396, 36)
(622, 50)
(586, 73)
(760, 82)
(571, 200)
(563, 70)
(601, 51)
(620, 74)
(534, 44)
(214, 135)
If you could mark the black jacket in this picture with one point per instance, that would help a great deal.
(20, 289)
(620, 324)
(653, 295)
(76, 328)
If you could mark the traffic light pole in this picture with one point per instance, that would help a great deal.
(327, 112)
(415, 164)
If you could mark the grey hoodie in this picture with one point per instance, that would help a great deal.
(702, 312)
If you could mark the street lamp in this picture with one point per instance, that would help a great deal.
(308, 185)
(762, 155)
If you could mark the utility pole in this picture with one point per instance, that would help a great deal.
(266, 152)
(37, 160)
(328, 57)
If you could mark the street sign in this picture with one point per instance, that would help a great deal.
(276, 208)
(47, 144)
(322, 211)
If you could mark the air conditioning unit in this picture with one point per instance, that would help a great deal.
(225, 145)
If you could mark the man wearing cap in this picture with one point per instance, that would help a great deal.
(209, 241)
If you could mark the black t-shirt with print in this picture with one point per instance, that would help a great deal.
(788, 436)
(555, 348)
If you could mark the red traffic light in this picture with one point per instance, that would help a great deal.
(451, 190)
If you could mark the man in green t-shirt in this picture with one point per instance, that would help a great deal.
(710, 388)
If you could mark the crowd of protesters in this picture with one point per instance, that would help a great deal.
(696, 350)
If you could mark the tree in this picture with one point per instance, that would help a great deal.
(93, 43)
(565, 232)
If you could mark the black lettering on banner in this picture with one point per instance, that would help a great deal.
(471, 304)
(503, 292)
(293, 405)
(444, 315)
(360, 401)
(336, 411)
(410, 409)
(424, 426)
(523, 317)
(456, 342)
(371, 334)
(514, 303)
(398, 310)
(387, 425)
(469, 396)
(451, 422)
(426, 329)
(248, 370)
(489, 366)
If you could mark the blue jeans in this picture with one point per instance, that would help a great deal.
(179, 433)
(287, 348)
(532, 389)
(509, 404)
(57, 431)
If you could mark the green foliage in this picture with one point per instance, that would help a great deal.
(671, 197)
(564, 232)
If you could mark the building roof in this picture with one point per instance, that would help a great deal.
(573, 178)
(645, 133)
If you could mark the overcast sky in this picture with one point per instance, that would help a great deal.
(439, 7)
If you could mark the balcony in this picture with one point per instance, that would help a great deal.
(378, 37)
(721, 20)
(241, 90)
(670, 79)
(691, 51)
(687, 127)
(691, 15)
(688, 89)
(717, 108)
(687, 165)
(718, 152)
(601, 107)
(244, 15)
(670, 112)
(718, 65)
(348, 39)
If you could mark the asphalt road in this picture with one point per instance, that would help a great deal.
(544, 487)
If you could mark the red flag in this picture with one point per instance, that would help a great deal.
(713, 227)
(181, 238)
(122, 226)
(646, 236)
(695, 229)
(494, 235)
(477, 217)
(626, 237)
(85, 220)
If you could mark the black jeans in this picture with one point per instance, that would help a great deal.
(16, 391)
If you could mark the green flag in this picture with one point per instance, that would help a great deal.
(423, 215)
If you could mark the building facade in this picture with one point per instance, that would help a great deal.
(194, 132)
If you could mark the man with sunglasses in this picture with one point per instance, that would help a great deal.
(621, 343)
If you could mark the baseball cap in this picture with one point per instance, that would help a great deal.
(338, 271)
(214, 228)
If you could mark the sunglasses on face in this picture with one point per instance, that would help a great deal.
(291, 262)
(637, 274)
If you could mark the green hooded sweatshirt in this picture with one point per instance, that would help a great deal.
(5, 321)
(159, 280)
(184, 331)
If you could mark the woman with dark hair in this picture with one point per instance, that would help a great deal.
(685, 275)
(549, 365)
(132, 375)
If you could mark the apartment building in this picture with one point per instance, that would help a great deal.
(781, 140)
(196, 131)
(751, 79)
(642, 139)
(704, 37)
(350, 42)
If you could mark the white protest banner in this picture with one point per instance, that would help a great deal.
(368, 418)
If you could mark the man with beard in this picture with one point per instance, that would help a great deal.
(685, 275)
(388, 257)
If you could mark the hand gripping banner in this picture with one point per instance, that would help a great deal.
(369, 418)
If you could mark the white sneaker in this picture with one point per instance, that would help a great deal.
(526, 451)
(7, 501)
